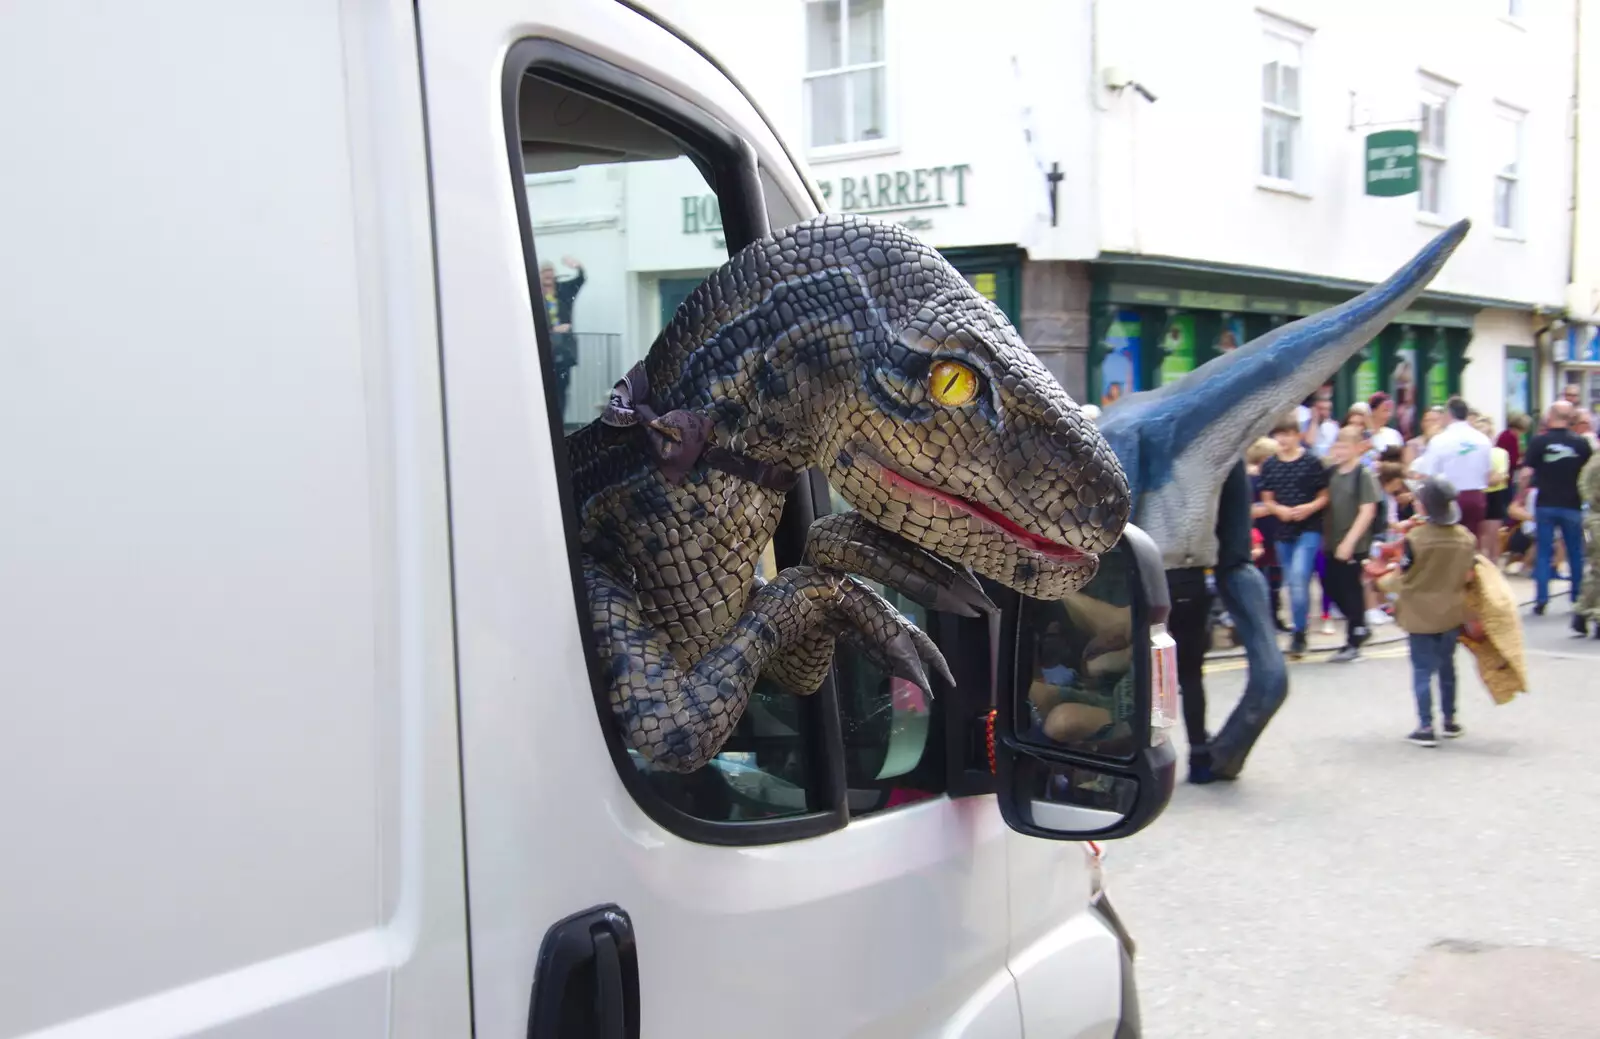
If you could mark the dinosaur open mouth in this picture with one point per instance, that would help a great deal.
(1032, 542)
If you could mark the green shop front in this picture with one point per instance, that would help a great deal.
(1154, 321)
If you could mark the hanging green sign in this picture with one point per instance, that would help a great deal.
(1391, 162)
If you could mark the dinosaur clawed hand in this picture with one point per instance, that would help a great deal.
(807, 608)
(850, 543)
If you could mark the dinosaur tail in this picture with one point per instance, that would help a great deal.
(1229, 401)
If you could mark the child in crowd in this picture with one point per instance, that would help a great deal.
(1294, 488)
(1266, 525)
(1430, 576)
(1352, 508)
(1396, 515)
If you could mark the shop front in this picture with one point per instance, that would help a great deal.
(1576, 353)
(1154, 321)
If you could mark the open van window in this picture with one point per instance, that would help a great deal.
(631, 201)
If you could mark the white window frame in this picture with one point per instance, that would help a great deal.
(1517, 117)
(851, 149)
(1434, 89)
(1276, 31)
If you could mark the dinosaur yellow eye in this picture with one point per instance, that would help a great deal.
(952, 383)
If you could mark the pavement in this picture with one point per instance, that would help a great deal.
(1352, 885)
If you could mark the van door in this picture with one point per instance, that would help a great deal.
(814, 880)
(228, 771)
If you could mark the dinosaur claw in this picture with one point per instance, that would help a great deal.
(964, 596)
(931, 654)
(904, 662)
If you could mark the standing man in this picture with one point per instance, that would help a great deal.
(1380, 410)
(1352, 506)
(1552, 464)
(1588, 608)
(1463, 456)
(558, 300)
(1322, 430)
(1572, 393)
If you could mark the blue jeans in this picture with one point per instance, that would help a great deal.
(1244, 593)
(1299, 558)
(1570, 523)
(1430, 655)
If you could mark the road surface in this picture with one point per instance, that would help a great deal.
(1352, 885)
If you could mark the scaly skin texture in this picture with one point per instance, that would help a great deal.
(814, 347)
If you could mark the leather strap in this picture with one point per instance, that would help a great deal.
(680, 439)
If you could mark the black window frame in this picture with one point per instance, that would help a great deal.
(729, 165)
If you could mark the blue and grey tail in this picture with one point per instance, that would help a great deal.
(1212, 414)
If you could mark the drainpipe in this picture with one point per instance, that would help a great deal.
(1577, 121)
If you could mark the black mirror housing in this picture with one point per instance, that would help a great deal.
(1080, 732)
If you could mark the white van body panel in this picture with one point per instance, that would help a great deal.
(229, 775)
(237, 588)
(835, 936)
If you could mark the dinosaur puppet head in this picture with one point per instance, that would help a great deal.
(871, 357)
(955, 437)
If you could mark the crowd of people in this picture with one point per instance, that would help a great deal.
(1391, 528)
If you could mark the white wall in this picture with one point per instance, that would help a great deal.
(1483, 381)
(1180, 177)
(967, 84)
(1583, 297)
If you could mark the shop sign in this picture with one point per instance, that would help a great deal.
(895, 191)
(899, 191)
(1391, 162)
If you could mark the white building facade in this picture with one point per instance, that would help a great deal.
(1128, 238)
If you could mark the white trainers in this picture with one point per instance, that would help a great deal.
(1376, 618)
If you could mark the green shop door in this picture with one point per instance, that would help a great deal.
(673, 292)
(997, 275)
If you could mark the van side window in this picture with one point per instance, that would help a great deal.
(625, 223)
(626, 208)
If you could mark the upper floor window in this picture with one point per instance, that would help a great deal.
(847, 74)
(1432, 144)
(1282, 52)
(1508, 164)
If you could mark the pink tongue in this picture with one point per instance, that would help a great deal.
(1044, 546)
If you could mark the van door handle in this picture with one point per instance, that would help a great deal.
(586, 980)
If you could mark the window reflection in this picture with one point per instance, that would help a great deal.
(1078, 666)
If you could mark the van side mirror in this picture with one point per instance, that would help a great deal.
(1081, 747)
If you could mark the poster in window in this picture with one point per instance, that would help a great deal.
(1591, 344)
(984, 283)
(1231, 337)
(1438, 381)
(1365, 383)
(1119, 371)
(1178, 349)
(1403, 385)
(1519, 391)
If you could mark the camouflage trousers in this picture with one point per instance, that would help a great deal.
(1589, 597)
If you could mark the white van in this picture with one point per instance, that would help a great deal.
(300, 735)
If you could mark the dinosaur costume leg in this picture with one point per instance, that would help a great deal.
(1244, 593)
(678, 719)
